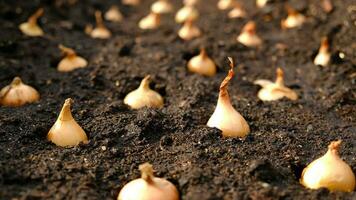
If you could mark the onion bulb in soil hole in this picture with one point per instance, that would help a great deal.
(18, 94)
(66, 132)
(225, 117)
(31, 27)
(148, 187)
(329, 171)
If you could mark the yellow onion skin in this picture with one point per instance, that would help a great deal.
(66, 132)
(329, 171)
(225, 117)
(143, 96)
(18, 94)
(148, 187)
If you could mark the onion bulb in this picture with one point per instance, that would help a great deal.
(294, 19)
(225, 117)
(237, 12)
(144, 96)
(131, 2)
(18, 94)
(151, 21)
(189, 31)
(31, 27)
(329, 171)
(323, 57)
(71, 61)
(66, 132)
(248, 36)
(261, 3)
(190, 2)
(273, 91)
(113, 14)
(327, 5)
(202, 64)
(226, 4)
(148, 187)
(161, 7)
(100, 31)
(187, 13)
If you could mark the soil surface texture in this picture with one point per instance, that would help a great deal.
(267, 164)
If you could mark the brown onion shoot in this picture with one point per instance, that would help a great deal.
(31, 27)
(202, 64)
(71, 61)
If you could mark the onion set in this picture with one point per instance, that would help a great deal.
(323, 57)
(187, 13)
(225, 117)
(329, 171)
(144, 96)
(226, 4)
(71, 61)
(148, 187)
(18, 94)
(100, 31)
(248, 36)
(114, 14)
(131, 2)
(31, 27)
(272, 91)
(66, 132)
(162, 7)
(202, 64)
(151, 21)
(237, 11)
(189, 31)
(294, 19)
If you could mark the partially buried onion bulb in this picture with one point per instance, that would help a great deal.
(189, 31)
(151, 21)
(323, 56)
(162, 7)
(66, 132)
(225, 117)
(100, 31)
(237, 12)
(31, 27)
(144, 96)
(113, 14)
(294, 19)
(71, 61)
(131, 2)
(272, 91)
(225, 4)
(148, 187)
(248, 36)
(329, 171)
(17, 94)
(202, 64)
(187, 13)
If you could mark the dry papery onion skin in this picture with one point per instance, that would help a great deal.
(148, 187)
(66, 132)
(329, 171)
(31, 28)
(225, 117)
(18, 94)
(71, 61)
(144, 96)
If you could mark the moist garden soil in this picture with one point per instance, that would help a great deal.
(267, 164)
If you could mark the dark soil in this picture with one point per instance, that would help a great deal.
(285, 136)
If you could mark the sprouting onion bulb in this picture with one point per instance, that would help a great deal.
(294, 19)
(225, 4)
(162, 7)
(100, 31)
(151, 21)
(18, 94)
(329, 171)
(189, 31)
(66, 132)
(323, 57)
(225, 117)
(113, 14)
(31, 27)
(144, 96)
(190, 2)
(148, 187)
(187, 13)
(131, 2)
(71, 61)
(272, 91)
(261, 3)
(248, 36)
(202, 64)
(237, 12)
